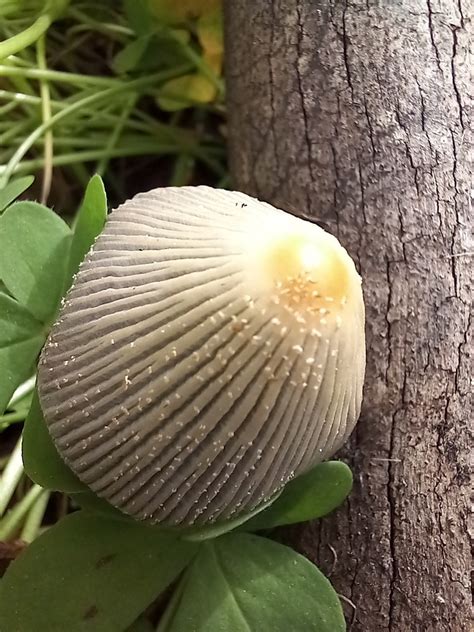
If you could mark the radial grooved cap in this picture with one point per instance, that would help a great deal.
(210, 349)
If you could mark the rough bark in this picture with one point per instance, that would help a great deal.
(357, 114)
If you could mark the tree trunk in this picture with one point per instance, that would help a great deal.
(356, 115)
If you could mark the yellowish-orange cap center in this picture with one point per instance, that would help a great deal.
(309, 272)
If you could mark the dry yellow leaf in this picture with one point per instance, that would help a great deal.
(186, 91)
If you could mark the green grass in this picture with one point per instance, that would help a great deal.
(78, 95)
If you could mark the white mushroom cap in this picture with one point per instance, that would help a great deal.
(210, 349)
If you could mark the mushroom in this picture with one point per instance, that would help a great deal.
(210, 349)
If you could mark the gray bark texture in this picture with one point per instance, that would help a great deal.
(357, 114)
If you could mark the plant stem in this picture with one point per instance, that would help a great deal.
(12, 521)
(10, 477)
(24, 389)
(13, 131)
(10, 418)
(103, 27)
(137, 84)
(27, 166)
(46, 113)
(59, 76)
(25, 38)
(182, 170)
(35, 517)
(114, 136)
(8, 107)
(98, 116)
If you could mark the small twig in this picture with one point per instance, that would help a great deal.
(334, 561)
(352, 605)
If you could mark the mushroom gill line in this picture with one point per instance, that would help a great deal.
(211, 204)
(307, 428)
(345, 350)
(143, 267)
(139, 414)
(325, 394)
(108, 379)
(212, 400)
(298, 416)
(351, 340)
(215, 486)
(258, 488)
(106, 300)
(232, 448)
(149, 317)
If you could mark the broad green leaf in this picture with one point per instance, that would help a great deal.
(17, 361)
(89, 573)
(89, 222)
(34, 244)
(142, 624)
(21, 338)
(13, 190)
(40, 457)
(152, 52)
(164, 50)
(128, 58)
(91, 502)
(138, 16)
(16, 322)
(307, 497)
(245, 583)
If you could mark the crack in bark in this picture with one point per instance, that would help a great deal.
(272, 94)
(392, 536)
(454, 30)
(302, 98)
(345, 47)
(414, 168)
(464, 343)
(354, 578)
(336, 180)
(362, 193)
(388, 323)
(456, 214)
(371, 132)
(431, 31)
(423, 121)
